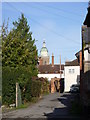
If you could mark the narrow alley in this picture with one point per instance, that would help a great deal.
(56, 105)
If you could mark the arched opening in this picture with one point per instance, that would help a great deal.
(57, 85)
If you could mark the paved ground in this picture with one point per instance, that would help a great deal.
(53, 105)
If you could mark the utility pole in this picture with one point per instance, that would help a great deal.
(60, 72)
(60, 66)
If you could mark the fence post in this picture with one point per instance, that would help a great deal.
(16, 94)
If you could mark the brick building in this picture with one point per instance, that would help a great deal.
(85, 69)
(53, 72)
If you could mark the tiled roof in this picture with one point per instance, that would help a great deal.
(49, 69)
(72, 63)
(87, 19)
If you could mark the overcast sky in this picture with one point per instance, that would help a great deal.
(58, 23)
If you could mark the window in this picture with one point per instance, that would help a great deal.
(71, 71)
(45, 62)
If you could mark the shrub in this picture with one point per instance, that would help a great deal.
(36, 88)
(45, 85)
(30, 87)
(8, 83)
(9, 78)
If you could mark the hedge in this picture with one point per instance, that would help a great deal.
(9, 78)
(29, 87)
(8, 86)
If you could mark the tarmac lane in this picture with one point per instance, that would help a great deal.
(54, 105)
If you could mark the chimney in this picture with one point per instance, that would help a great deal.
(40, 61)
(52, 60)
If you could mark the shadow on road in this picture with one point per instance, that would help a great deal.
(63, 112)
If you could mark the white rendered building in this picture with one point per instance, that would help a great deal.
(72, 74)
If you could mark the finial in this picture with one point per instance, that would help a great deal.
(44, 45)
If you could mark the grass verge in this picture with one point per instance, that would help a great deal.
(25, 105)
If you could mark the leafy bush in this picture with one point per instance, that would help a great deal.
(32, 90)
(9, 78)
(8, 83)
(45, 85)
(30, 87)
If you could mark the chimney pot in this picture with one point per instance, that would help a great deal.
(52, 60)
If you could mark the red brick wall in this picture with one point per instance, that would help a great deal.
(40, 61)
